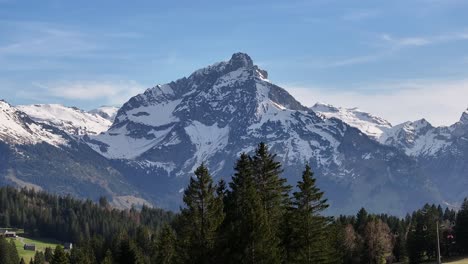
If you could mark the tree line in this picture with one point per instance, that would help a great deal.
(256, 218)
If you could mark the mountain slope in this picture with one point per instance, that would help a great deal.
(370, 125)
(159, 137)
(107, 112)
(69, 119)
(18, 128)
(44, 157)
(441, 153)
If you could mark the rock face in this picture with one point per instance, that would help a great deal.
(160, 136)
(441, 153)
(41, 156)
(107, 112)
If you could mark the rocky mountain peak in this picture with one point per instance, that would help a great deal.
(464, 117)
(240, 60)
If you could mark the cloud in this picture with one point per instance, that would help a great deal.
(409, 41)
(390, 45)
(360, 15)
(441, 102)
(109, 92)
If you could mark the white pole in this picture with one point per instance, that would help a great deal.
(438, 244)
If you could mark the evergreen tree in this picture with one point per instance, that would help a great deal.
(39, 258)
(8, 252)
(273, 189)
(461, 227)
(165, 246)
(107, 258)
(202, 216)
(48, 254)
(361, 221)
(129, 253)
(309, 242)
(250, 239)
(22, 261)
(60, 257)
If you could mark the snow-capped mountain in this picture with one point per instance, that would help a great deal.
(18, 128)
(42, 156)
(418, 138)
(415, 138)
(159, 137)
(371, 125)
(218, 112)
(107, 112)
(440, 152)
(72, 120)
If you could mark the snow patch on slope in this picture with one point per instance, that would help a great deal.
(107, 112)
(69, 119)
(119, 145)
(155, 115)
(370, 125)
(207, 139)
(15, 128)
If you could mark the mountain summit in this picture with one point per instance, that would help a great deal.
(160, 136)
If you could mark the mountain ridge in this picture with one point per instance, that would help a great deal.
(158, 137)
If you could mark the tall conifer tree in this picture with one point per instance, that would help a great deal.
(309, 242)
(202, 218)
(247, 227)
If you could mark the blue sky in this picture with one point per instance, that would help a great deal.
(402, 60)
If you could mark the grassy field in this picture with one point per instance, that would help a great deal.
(41, 245)
(460, 261)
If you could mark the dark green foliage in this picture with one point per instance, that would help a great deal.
(165, 246)
(108, 258)
(48, 254)
(129, 253)
(309, 241)
(71, 220)
(39, 258)
(60, 257)
(248, 228)
(8, 252)
(461, 229)
(254, 220)
(201, 218)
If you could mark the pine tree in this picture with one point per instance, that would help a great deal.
(60, 257)
(273, 189)
(107, 258)
(48, 254)
(309, 243)
(361, 221)
(129, 253)
(22, 261)
(247, 228)
(461, 227)
(39, 258)
(165, 246)
(202, 216)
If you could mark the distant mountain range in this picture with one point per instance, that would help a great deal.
(146, 151)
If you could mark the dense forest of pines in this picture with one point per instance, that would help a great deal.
(257, 218)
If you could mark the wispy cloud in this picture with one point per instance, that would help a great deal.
(439, 101)
(360, 15)
(40, 39)
(408, 41)
(390, 45)
(110, 92)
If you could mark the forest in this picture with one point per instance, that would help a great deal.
(255, 218)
